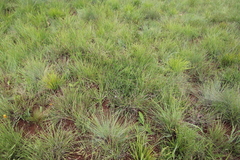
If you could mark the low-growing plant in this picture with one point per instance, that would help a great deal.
(214, 46)
(234, 141)
(111, 133)
(75, 104)
(52, 80)
(11, 141)
(54, 143)
(36, 115)
(146, 126)
(230, 59)
(218, 135)
(32, 73)
(224, 100)
(224, 141)
(169, 115)
(178, 65)
(231, 77)
(188, 143)
(141, 149)
(90, 15)
(55, 13)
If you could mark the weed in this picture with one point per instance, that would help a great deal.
(91, 15)
(37, 115)
(145, 125)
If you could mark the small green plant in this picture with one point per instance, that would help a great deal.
(145, 125)
(56, 13)
(223, 142)
(178, 65)
(35, 115)
(75, 104)
(52, 81)
(141, 149)
(32, 73)
(110, 133)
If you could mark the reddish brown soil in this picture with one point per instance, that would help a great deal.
(67, 124)
(28, 128)
(105, 106)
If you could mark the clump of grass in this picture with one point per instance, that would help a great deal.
(217, 43)
(141, 150)
(169, 114)
(11, 141)
(55, 13)
(234, 141)
(217, 133)
(52, 80)
(178, 65)
(231, 76)
(230, 59)
(91, 14)
(189, 144)
(111, 133)
(224, 140)
(37, 115)
(76, 104)
(53, 143)
(32, 73)
(224, 100)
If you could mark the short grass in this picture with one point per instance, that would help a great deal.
(111, 79)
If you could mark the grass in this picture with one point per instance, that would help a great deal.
(94, 79)
(141, 149)
(11, 141)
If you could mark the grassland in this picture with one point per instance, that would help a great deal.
(119, 79)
